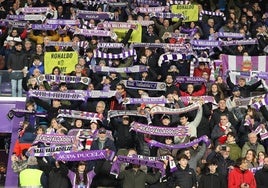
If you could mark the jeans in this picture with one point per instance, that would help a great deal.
(16, 85)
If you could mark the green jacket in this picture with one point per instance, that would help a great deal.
(235, 151)
(258, 147)
(133, 179)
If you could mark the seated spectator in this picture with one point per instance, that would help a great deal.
(252, 144)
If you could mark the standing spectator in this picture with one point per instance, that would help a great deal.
(136, 178)
(244, 88)
(221, 110)
(81, 177)
(125, 139)
(184, 176)
(212, 178)
(262, 175)
(16, 62)
(220, 131)
(240, 176)
(38, 177)
(216, 92)
(166, 27)
(221, 156)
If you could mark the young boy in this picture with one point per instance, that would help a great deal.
(212, 179)
(184, 177)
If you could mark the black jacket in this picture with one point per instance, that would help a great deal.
(209, 180)
(17, 60)
(184, 178)
(261, 178)
(245, 90)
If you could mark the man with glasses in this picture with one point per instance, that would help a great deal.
(221, 156)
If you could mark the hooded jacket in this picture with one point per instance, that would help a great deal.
(237, 177)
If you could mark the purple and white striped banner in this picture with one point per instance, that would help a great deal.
(117, 4)
(31, 10)
(101, 94)
(188, 79)
(54, 139)
(62, 22)
(118, 25)
(190, 32)
(164, 110)
(194, 99)
(117, 113)
(22, 112)
(133, 69)
(92, 32)
(94, 15)
(166, 15)
(149, 9)
(49, 151)
(255, 101)
(172, 164)
(66, 113)
(44, 27)
(206, 43)
(63, 44)
(147, 100)
(230, 35)
(178, 146)
(170, 57)
(159, 131)
(210, 13)
(63, 78)
(70, 95)
(110, 45)
(144, 85)
(239, 42)
(148, 2)
(123, 55)
(87, 155)
(27, 17)
(142, 22)
(244, 63)
(175, 2)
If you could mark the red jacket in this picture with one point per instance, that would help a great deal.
(198, 72)
(200, 92)
(237, 177)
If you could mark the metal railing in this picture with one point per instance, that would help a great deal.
(5, 84)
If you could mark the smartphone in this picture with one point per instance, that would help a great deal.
(223, 147)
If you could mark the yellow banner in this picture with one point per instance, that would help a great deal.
(189, 11)
(64, 60)
(135, 36)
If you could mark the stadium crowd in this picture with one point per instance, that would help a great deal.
(160, 107)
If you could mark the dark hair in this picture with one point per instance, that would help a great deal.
(182, 156)
(239, 161)
(78, 180)
(54, 68)
(231, 134)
